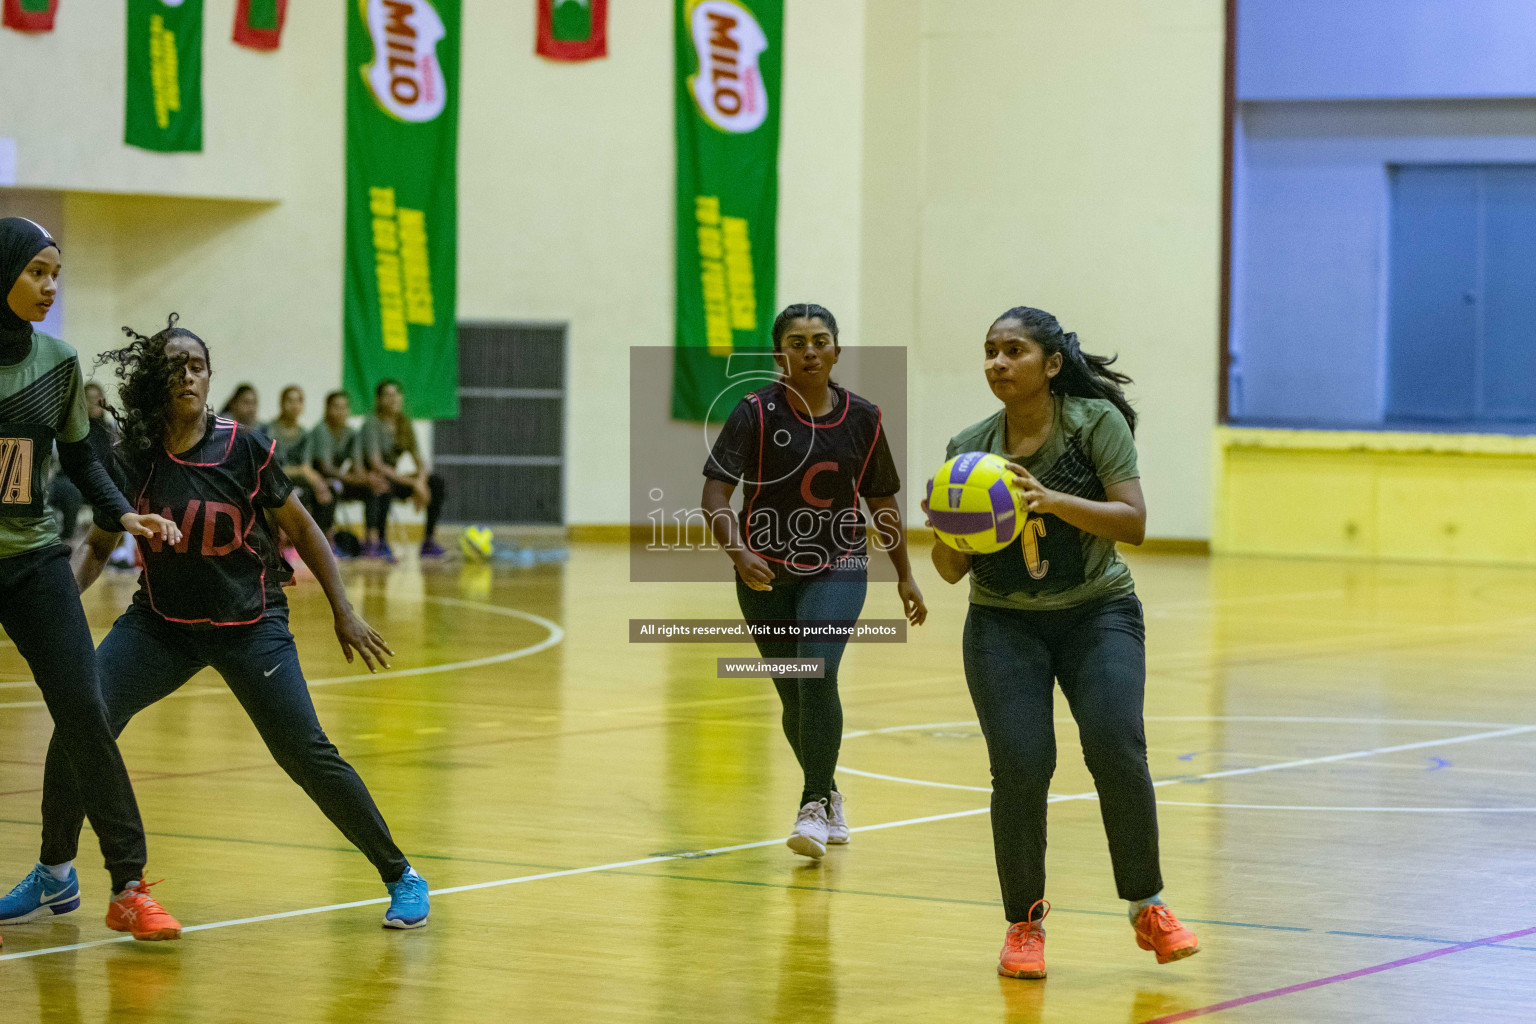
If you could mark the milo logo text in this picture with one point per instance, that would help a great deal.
(729, 86)
(405, 76)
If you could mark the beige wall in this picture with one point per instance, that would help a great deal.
(244, 239)
(566, 201)
(63, 104)
(941, 160)
(565, 196)
(1065, 156)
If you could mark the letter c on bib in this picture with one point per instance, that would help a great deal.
(1034, 529)
(805, 484)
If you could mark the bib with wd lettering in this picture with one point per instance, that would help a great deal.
(227, 570)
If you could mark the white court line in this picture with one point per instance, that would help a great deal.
(556, 635)
(1331, 758)
(569, 872)
(1294, 719)
(1231, 772)
(1357, 810)
(1314, 720)
(915, 782)
(905, 728)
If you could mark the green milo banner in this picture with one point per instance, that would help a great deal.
(164, 110)
(402, 202)
(729, 56)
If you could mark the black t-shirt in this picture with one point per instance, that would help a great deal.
(227, 570)
(802, 476)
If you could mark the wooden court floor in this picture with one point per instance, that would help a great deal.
(1346, 756)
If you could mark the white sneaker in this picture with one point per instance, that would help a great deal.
(123, 555)
(837, 825)
(809, 839)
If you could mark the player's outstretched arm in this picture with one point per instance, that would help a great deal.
(91, 555)
(85, 471)
(351, 631)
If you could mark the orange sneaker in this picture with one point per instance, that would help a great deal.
(135, 910)
(1023, 954)
(1158, 930)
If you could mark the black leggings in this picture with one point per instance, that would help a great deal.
(66, 498)
(813, 714)
(324, 513)
(40, 610)
(145, 659)
(1098, 653)
(378, 507)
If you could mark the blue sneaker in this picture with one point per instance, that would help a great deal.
(39, 896)
(408, 904)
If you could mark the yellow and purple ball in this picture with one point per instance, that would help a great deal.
(973, 505)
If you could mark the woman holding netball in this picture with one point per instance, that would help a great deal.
(806, 449)
(1058, 604)
(215, 599)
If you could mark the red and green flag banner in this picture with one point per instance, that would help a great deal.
(30, 15)
(259, 23)
(165, 76)
(402, 202)
(729, 56)
(572, 29)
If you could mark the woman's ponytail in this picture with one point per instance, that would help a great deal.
(1082, 374)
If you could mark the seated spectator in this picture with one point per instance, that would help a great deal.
(332, 454)
(292, 442)
(384, 437)
(288, 442)
(244, 407)
(63, 495)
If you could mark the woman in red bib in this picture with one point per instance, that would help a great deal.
(215, 598)
(805, 451)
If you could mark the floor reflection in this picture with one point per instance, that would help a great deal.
(1154, 1005)
(807, 967)
(1023, 999)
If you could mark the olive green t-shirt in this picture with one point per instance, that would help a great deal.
(379, 440)
(290, 443)
(1052, 564)
(323, 447)
(42, 399)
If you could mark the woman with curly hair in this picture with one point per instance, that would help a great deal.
(42, 401)
(216, 599)
(244, 407)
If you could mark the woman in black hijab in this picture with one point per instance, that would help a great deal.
(42, 401)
